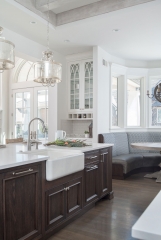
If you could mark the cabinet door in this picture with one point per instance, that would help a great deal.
(91, 183)
(55, 206)
(104, 165)
(74, 79)
(88, 84)
(21, 201)
(74, 196)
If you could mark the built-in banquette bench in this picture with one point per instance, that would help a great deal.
(127, 160)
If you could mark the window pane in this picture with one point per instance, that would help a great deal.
(114, 101)
(19, 100)
(133, 102)
(155, 105)
(26, 99)
(42, 112)
(22, 116)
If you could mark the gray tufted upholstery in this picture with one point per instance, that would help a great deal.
(120, 142)
(135, 137)
(110, 138)
(132, 158)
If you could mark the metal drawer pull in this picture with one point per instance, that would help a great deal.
(30, 170)
(92, 157)
(104, 153)
(92, 168)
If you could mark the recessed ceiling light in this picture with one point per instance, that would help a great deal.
(116, 30)
(33, 22)
(66, 41)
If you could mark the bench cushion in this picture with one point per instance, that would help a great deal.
(151, 159)
(129, 161)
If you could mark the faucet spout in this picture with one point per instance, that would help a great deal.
(44, 130)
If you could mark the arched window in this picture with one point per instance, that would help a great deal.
(24, 71)
(29, 101)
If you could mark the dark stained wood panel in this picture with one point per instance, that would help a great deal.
(74, 196)
(91, 185)
(21, 204)
(55, 206)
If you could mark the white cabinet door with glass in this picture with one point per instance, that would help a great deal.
(27, 104)
(81, 87)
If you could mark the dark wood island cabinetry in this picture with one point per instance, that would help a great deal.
(33, 208)
(21, 202)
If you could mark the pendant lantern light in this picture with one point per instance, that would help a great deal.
(7, 56)
(47, 71)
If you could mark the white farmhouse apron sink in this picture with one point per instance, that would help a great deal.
(60, 162)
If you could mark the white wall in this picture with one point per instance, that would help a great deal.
(101, 82)
(5, 102)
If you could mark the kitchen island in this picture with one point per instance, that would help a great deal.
(32, 207)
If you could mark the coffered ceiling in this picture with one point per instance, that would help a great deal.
(138, 36)
(59, 6)
(68, 11)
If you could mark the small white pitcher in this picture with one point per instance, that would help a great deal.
(60, 134)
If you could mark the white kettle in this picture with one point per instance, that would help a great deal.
(60, 134)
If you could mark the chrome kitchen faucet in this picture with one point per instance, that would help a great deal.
(43, 130)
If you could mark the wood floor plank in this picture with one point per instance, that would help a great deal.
(112, 220)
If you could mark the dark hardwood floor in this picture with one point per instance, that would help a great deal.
(112, 220)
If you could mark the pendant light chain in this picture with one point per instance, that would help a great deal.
(48, 28)
(47, 71)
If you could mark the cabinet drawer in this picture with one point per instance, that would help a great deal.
(104, 151)
(21, 171)
(91, 157)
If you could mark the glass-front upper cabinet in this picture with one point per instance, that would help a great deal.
(74, 85)
(88, 85)
(81, 86)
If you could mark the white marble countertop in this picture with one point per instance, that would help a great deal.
(148, 226)
(9, 156)
(147, 146)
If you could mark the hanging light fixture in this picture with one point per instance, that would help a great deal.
(157, 93)
(47, 71)
(7, 56)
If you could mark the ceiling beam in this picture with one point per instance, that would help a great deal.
(94, 9)
(42, 5)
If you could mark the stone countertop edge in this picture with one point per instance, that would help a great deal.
(94, 146)
(22, 159)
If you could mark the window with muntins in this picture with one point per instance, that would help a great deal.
(133, 102)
